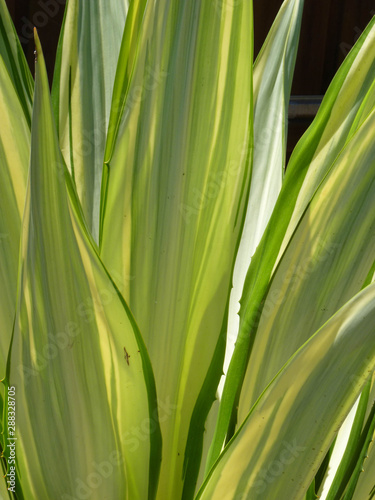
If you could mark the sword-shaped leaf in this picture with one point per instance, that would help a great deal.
(87, 417)
(174, 201)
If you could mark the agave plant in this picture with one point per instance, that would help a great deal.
(148, 222)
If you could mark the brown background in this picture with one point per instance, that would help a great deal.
(329, 30)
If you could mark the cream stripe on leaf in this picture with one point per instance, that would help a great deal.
(86, 400)
(174, 202)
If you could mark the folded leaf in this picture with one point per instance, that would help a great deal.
(81, 372)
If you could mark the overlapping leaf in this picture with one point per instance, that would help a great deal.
(283, 440)
(174, 201)
(175, 191)
(87, 417)
(15, 62)
(127, 58)
(307, 241)
(273, 74)
(14, 161)
(82, 91)
(326, 262)
(366, 483)
(350, 447)
(4, 494)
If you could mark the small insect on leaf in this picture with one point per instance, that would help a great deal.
(126, 355)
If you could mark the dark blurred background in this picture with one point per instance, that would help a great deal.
(329, 30)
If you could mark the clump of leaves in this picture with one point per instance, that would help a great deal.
(147, 223)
